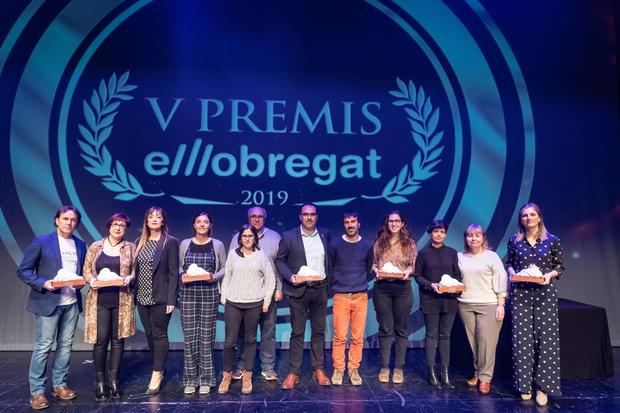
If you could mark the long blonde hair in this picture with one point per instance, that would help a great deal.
(146, 232)
(542, 232)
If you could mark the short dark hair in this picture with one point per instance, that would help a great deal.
(118, 216)
(437, 224)
(67, 208)
(254, 232)
(350, 214)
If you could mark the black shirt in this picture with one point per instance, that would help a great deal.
(430, 265)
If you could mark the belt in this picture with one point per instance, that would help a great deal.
(316, 283)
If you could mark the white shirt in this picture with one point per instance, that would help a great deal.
(315, 251)
(68, 254)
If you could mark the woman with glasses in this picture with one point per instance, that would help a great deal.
(110, 311)
(393, 298)
(247, 289)
(198, 301)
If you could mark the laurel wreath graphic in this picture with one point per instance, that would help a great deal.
(99, 114)
(423, 120)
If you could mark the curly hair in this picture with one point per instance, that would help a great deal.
(382, 240)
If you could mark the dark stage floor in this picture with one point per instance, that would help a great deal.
(412, 396)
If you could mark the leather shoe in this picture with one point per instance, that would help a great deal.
(64, 393)
(473, 382)
(290, 381)
(320, 377)
(484, 387)
(39, 401)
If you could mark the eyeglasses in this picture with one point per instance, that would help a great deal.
(247, 236)
(308, 214)
(119, 224)
(395, 221)
(257, 217)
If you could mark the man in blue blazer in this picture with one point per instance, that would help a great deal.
(56, 309)
(305, 245)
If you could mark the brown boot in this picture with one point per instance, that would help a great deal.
(246, 382)
(225, 383)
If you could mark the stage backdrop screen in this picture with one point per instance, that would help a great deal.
(458, 110)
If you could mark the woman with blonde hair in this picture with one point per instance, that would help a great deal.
(481, 305)
(157, 275)
(534, 307)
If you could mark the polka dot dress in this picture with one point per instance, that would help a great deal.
(144, 293)
(535, 326)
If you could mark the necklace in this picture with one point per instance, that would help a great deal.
(113, 245)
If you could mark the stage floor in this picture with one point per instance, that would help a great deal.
(415, 395)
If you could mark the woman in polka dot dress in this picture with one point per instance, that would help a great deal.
(535, 329)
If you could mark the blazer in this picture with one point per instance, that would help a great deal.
(41, 263)
(165, 271)
(291, 257)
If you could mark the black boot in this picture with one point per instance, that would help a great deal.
(115, 390)
(445, 378)
(432, 377)
(101, 391)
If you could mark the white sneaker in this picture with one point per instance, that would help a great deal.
(189, 390)
(204, 389)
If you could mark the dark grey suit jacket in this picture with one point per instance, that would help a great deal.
(292, 255)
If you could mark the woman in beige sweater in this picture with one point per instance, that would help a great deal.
(481, 305)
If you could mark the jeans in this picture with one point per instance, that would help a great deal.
(155, 322)
(349, 310)
(267, 325)
(59, 326)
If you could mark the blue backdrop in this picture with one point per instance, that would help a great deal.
(461, 110)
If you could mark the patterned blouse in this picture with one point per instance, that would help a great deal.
(145, 276)
(546, 255)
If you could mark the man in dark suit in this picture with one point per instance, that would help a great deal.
(305, 245)
(56, 309)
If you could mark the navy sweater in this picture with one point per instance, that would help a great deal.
(351, 265)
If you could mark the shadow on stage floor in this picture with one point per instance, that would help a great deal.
(415, 395)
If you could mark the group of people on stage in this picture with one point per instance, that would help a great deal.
(262, 267)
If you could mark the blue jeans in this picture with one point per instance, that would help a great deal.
(59, 326)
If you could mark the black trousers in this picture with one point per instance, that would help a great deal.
(393, 301)
(236, 318)
(107, 330)
(312, 304)
(155, 322)
(438, 328)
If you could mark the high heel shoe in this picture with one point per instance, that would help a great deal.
(155, 390)
(101, 392)
(115, 391)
